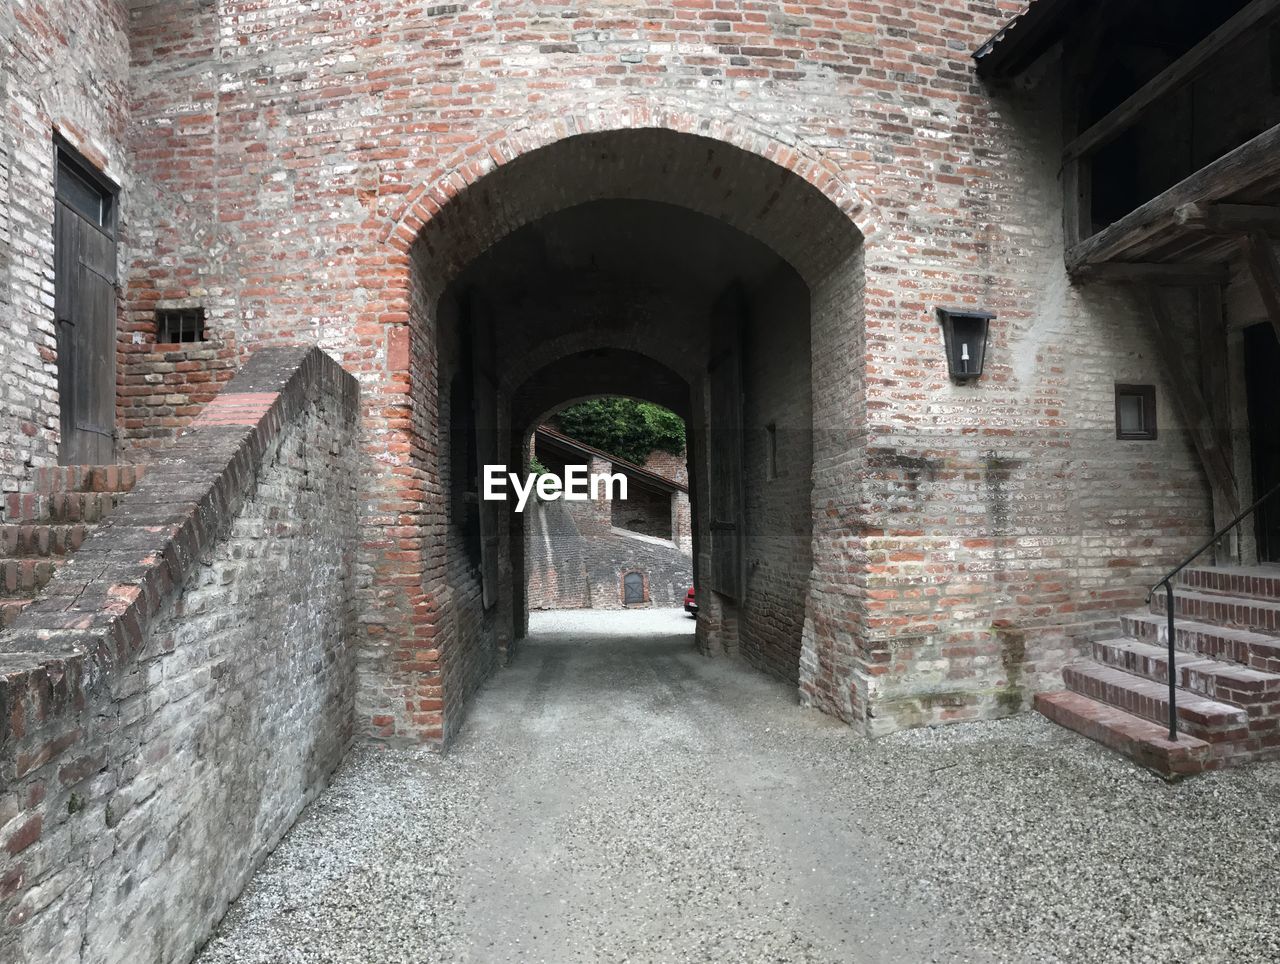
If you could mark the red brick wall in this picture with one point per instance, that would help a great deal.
(289, 179)
(163, 387)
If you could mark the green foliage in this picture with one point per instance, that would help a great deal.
(624, 427)
(536, 467)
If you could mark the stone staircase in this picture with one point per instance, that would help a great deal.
(1227, 670)
(40, 529)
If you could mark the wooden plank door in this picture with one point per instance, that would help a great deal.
(85, 315)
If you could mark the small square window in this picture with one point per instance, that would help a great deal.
(1135, 411)
(175, 326)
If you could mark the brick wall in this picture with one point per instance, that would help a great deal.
(646, 511)
(186, 685)
(65, 70)
(577, 553)
(371, 169)
(163, 387)
(668, 465)
(777, 486)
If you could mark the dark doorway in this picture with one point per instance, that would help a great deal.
(1262, 370)
(85, 311)
(633, 589)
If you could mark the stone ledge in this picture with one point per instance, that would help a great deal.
(93, 616)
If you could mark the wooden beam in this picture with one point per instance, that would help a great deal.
(1260, 256)
(1215, 384)
(1248, 163)
(1183, 70)
(1230, 219)
(1085, 40)
(1189, 401)
(1165, 275)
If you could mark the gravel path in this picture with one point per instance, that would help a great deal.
(616, 797)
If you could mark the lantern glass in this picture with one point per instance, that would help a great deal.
(965, 337)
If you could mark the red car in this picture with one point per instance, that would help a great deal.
(690, 604)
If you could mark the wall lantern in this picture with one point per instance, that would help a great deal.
(965, 335)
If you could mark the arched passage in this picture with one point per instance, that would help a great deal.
(576, 377)
(722, 267)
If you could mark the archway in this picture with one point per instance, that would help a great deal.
(721, 266)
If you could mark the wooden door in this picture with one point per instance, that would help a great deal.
(632, 589)
(85, 315)
(724, 449)
(484, 381)
(1262, 383)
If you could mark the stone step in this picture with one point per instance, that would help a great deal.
(41, 539)
(1141, 740)
(1215, 679)
(1203, 718)
(87, 478)
(1254, 582)
(1243, 646)
(60, 507)
(9, 609)
(22, 578)
(1238, 612)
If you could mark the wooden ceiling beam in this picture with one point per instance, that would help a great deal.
(1249, 163)
(1230, 219)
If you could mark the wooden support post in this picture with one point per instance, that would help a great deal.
(1191, 405)
(1263, 265)
(1085, 41)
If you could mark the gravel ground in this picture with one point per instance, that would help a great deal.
(616, 797)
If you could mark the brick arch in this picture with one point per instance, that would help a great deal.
(456, 180)
(421, 668)
(545, 390)
(555, 349)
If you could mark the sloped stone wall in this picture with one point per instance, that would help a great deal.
(186, 685)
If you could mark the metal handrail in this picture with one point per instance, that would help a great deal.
(1167, 582)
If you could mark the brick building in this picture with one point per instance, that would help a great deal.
(969, 307)
(749, 213)
(609, 552)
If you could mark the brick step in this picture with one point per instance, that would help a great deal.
(1242, 646)
(88, 478)
(1212, 678)
(1141, 740)
(1198, 715)
(41, 539)
(22, 578)
(9, 609)
(1238, 612)
(1252, 582)
(60, 507)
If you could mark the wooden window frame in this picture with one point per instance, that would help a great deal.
(65, 153)
(1148, 395)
